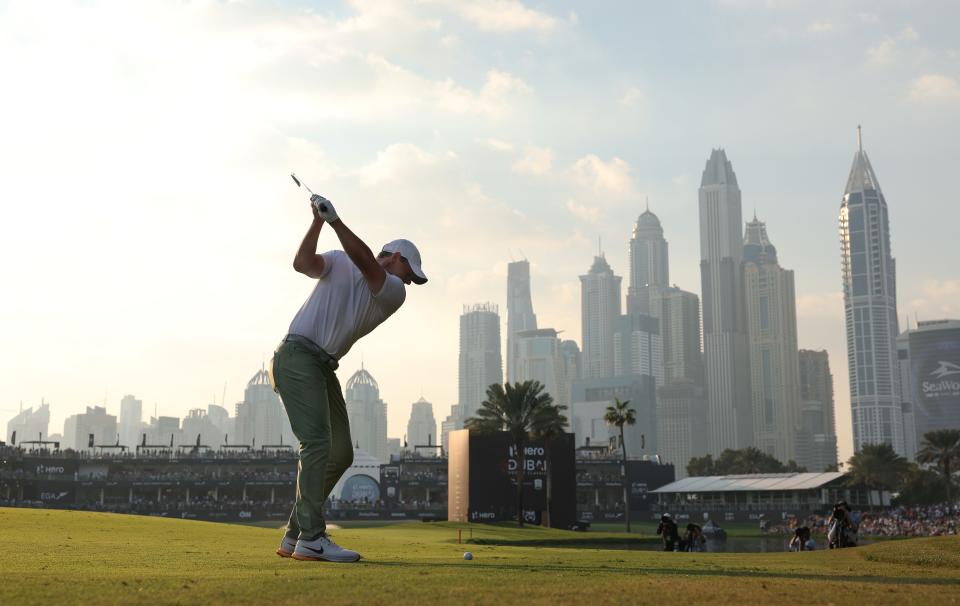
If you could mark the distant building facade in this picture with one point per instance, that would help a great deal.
(681, 423)
(520, 316)
(772, 333)
(422, 427)
(539, 359)
(131, 420)
(725, 348)
(480, 362)
(29, 424)
(930, 364)
(817, 439)
(649, 266)
(261, 418)
(78, 429)
(368, 415)
(599, 311)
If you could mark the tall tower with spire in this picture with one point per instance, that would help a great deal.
(649, 269)
(870, 306)
(725, 350)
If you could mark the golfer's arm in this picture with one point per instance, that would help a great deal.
(307, 261)
(361, 256)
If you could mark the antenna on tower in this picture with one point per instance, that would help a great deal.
(223, 400)
(648, 203)
(599, 246)
(859, 139)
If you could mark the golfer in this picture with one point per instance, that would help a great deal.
(355, 292)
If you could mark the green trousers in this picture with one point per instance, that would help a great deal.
(318, 416)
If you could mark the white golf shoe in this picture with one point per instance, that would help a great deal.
(323, 549)
(287, 545)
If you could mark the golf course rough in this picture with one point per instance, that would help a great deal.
(63, 557)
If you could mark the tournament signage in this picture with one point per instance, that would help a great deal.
(935, 365)
(942, 382)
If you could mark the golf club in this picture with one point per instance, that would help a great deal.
(322, 207)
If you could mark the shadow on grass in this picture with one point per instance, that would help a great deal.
(746, 574)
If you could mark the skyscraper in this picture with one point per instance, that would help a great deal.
(29, 424)
(680, 327)
(539, 359)
(520, 314)
(772, 332)
(599, 309)
(725, 348)
(78, 428)
(261, 417)
(649, 269)
(930, 371)
(870, 306)
(817, 441)
(480, 361)
(422, 427)
(131, 420)
(368, 415)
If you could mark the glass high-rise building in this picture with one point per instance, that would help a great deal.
(480, 362)
(725, 350)
(367, 413)
(422, 428)
(649, 269)
(599, 313)
(929, 356)
(817, 440)
(520, 314)
(772, 331)
(870, 308)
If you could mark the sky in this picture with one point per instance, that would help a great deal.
(150, 222)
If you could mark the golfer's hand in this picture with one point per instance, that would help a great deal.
(324, 208)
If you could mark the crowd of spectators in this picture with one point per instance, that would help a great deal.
(934, 520)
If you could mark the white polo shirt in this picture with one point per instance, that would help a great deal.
(341, 308)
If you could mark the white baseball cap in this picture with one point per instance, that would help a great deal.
(409, 252)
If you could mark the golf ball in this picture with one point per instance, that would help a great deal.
(467, 556)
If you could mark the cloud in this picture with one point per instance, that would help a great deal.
(396, 161)
(501, 15)
(500, 90)
(939, 299)
(820, 27)
(535, 161)
(890, 48)
(590, 214)
(501, 146)
(632, 97)
(934, 88)
(603, 178)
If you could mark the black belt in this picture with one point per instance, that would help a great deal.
(310, 345)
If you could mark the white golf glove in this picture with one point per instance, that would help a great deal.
(324, 208)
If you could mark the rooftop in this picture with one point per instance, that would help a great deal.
(752, 482)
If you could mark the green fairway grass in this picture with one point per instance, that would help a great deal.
(63, 557)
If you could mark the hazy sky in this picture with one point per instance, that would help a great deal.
(149, 222)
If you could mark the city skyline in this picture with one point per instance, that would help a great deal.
(507, 132)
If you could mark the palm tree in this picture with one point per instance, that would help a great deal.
(515, 409)
(877, 466)
(548, 424)
(620, 414)
(941, 448)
